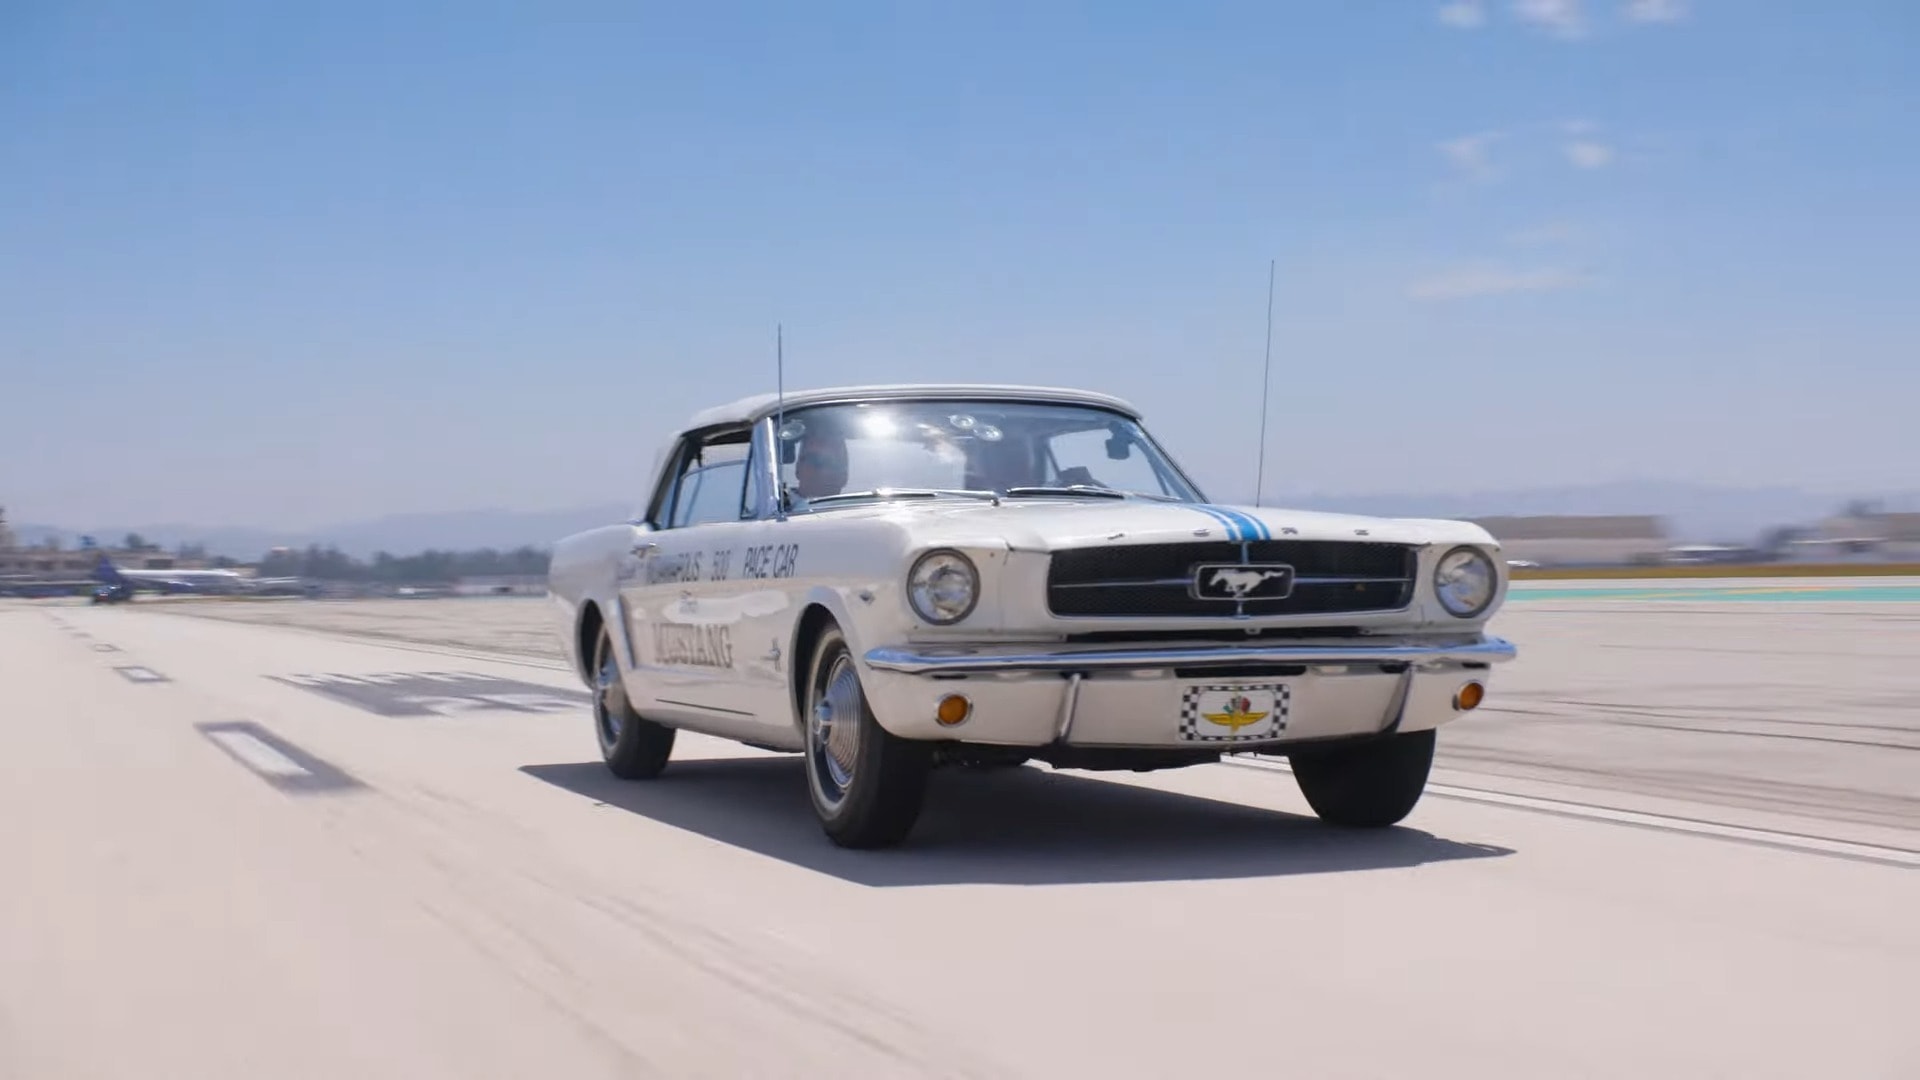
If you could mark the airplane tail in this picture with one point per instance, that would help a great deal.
(106, 573)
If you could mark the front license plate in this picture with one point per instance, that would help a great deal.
(1233, 712)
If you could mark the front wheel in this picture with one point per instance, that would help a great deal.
(1371, 785)
(867, 784)
(633, 747)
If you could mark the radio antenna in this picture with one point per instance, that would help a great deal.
(1266, 378)
(779, 419)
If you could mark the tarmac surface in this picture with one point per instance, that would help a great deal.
(374, 839)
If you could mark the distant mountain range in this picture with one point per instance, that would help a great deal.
(1693, 513)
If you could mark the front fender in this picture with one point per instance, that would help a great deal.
(840, 604)
(585, 570)
(857, 619)
(566, 613)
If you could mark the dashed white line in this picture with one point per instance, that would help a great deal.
(257, 755)
(277, 761)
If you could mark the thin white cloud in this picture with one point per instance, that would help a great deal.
(1554, 232)
(1655, 11)
(1560, 18)
(1588, 154)
(1463, 14)
(1469, 155)
(1466, 282)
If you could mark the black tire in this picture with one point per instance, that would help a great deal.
(867, 794)
(633, 747)
(1371, 785)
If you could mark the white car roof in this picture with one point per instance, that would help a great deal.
(748, 409)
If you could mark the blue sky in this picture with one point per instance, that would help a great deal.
(283, 267)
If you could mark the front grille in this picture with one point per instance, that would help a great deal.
(1331, 577)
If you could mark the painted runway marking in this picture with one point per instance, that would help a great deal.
(276, 760)
(257, 755)
(104, 647)
(136, 673)
(437, 693)
(1799, 842)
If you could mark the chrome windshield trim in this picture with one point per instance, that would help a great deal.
(962, 660)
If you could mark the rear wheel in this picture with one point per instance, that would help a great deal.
(867, 784)
(1371, 785)
(633, 747)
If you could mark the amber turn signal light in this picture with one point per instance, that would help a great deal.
(1469, 697)
(953, 709)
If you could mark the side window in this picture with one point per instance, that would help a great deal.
(711, 494)
(712, 483)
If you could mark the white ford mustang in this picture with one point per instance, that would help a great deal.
(888, 579)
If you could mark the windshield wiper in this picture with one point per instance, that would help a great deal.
(1070, 489)
(907, 493)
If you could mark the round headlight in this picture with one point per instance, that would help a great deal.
(943, 587)
(1465, 581)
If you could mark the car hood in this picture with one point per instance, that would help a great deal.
(1047, 524)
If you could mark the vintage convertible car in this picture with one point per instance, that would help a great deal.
(888, 579)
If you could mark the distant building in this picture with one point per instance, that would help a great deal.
(1860, 534)
(51, 561)
(45, 561)
(40, 562)
(1601, 540)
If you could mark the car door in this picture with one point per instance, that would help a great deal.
(756, 587)
(678, 597)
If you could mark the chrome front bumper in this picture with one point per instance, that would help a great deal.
(1094, 696)
(983, 660)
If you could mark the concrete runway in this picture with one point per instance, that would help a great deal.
(374, 839)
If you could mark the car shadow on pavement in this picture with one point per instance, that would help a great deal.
(1027, 826)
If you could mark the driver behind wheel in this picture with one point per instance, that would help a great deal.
(819, 467)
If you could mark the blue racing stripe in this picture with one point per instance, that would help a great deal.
(1218, 518)
(1265, 533)
(1236, 526)
(1254, 528)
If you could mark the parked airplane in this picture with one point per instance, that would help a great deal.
(282, 586)
(120, 584)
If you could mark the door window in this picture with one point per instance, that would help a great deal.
(711, 486)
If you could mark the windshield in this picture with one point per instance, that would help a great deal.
(978, 446)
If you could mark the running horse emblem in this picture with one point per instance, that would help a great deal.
(1237, 582)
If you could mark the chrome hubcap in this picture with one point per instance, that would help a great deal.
(833, 730)
(608, 699)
